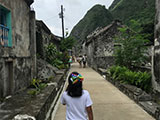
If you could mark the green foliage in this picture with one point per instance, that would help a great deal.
(51, 52)
(33, 92)
(42, 86)
(145, 29)
(135, 25)
(38, 86)
(132, 51)
(57, 63)
(54, 57)
(148, 31)
(139, 12)
(67, 43)
(142, 11)
(115, 4)
(139, 79)
(115, 70)
(97, 16)
(128, 11)
(36, 83)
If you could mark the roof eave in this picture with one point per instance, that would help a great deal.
(29, 2)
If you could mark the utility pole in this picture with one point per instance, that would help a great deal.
(62, 17)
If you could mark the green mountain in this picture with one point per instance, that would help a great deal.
(115, 2)
(97, 16)
(142, 11)
(137, 11)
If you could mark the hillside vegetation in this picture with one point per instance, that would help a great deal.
(141, 12)
(98, 16)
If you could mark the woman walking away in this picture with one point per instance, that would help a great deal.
(84, 59)
(79, 60)
(78, 101)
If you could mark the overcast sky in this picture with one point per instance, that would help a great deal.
(74, 11)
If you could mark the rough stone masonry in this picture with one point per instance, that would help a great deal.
(156, 51)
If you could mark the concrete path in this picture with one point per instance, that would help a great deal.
(108, 102)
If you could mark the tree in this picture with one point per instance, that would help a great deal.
(132, 49)
(67, 43)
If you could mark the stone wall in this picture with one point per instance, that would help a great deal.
(104, 62)
(139, 96)
(100, 46)
(156, 51)
(45, 70)
(56, 40)
(17, 63)
(24, 106)
(44, 37)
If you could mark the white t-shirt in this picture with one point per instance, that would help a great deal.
(84, 58)
(76, 106)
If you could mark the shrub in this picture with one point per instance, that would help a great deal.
(38, 86)
(42, 86)
(143, 80)
(139, 79)
(117, 72)
(53, 56)
(132, 50)
(32, 92)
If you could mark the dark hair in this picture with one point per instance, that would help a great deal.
(74, 90)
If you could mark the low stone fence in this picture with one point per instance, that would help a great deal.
(101, 62)
(136, 94)
(23, 106)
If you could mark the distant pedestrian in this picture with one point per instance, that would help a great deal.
(70, 61)
(84, 59)
(79, 60)
(74, 58)
(78, 102)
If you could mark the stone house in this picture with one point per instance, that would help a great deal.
(99, 46)
(56, 40)
(156, 51)
(17, 46)
(44, 37)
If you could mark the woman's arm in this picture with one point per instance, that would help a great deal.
(90, 113)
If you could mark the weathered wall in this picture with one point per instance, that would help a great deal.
(156, 50)
(45, 70)
(56, 40)
(44, 37)
(90, 53)
(17, 62)
(100, 46)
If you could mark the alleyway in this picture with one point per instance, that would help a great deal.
(108, 102)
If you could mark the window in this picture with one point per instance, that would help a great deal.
(5, 27)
